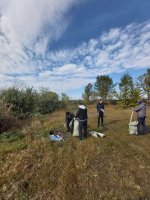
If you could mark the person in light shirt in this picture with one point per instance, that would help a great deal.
(141, 115)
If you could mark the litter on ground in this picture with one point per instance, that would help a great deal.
(56, 135)
(97, 134)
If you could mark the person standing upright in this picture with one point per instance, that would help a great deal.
(82, 116)
(100, 111)
(141, 115)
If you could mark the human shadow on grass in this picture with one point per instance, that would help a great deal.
(147, 130)
(113, 121)
(100, 129)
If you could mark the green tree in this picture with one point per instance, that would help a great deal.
(87, 92)
(64, 99)
(104, 86)
(47, 101)
(143, 83)
(128, 93)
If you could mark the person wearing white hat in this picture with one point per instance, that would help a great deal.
(82, 116)
(100, 111)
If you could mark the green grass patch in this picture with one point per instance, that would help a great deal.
(11, 136)
(11, 148)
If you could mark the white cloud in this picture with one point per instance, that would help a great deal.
(29, 17)
(28, 26)
(111, 36)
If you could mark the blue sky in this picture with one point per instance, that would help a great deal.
(64, 44)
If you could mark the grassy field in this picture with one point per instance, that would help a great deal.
(116, 167)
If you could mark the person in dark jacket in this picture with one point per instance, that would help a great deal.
(68, 118)
(141, 115)
(100, 111)
(82, 116)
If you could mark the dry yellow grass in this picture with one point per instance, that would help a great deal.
(116, 167)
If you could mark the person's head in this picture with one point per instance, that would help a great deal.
(100, 100)
(80, 103)
(139, 101)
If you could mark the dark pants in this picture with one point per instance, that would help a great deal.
(82, 126)
(141, 127)
(68, 122)
(100, 117)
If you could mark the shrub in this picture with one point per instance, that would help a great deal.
(47, 102)
(22, 101)
(27, 102)
(7, 120)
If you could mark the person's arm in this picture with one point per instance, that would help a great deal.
(66, 118)
(102, 108)
(86, 114)
(137, 109)
(77, 114)
(97, 107)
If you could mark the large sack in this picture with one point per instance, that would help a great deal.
(133, 126)
(76, 128)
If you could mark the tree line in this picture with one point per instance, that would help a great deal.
(127, 93)
(27, 102)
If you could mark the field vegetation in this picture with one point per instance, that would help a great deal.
(32, 167)
(116, 167)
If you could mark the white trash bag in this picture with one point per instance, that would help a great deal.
(97, 134)
(76, 128)
(133, 126)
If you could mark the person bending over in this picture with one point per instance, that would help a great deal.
(68, 118)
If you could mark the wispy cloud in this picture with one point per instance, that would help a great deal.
(28, 27)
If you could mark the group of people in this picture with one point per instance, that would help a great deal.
(82, 116)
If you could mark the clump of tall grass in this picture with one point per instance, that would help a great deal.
(7, 120)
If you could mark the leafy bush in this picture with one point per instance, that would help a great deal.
(26, 102)
(47, 102)
(22, 101)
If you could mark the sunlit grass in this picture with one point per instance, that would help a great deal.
(114, 167)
